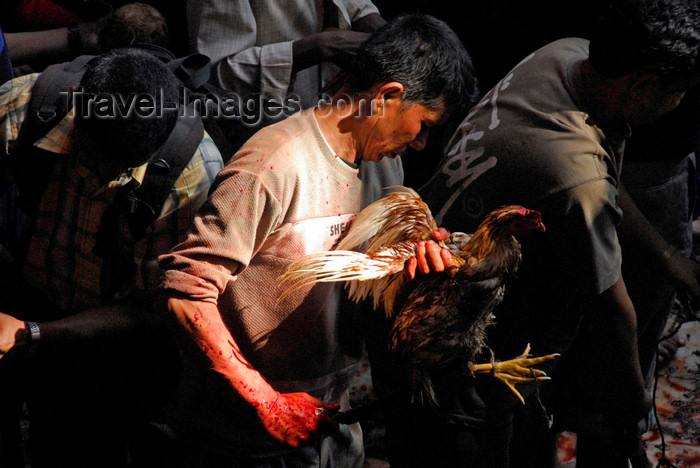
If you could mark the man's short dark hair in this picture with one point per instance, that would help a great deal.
(129, 137)
(655, 36)
(134, 23)
(423, 54)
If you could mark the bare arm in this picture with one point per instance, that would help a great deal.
(369, 23)
(337, 46)
(682, 272)
(42, 48)
(289, 417)
(38, 47)
(616, 324)
(92, 324)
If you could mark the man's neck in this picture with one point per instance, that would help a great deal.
(603, 97)
(338, 131)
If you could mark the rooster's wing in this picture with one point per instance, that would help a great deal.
(394, 223)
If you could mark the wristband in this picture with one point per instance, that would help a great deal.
(668, 252)
(34, 332)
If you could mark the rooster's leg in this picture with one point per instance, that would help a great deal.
(515, 371)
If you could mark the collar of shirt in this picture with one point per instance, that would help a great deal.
(14, 96)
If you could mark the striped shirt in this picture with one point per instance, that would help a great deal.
(65, 259)
(250, 43)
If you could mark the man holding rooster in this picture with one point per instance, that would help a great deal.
(550, 136)
(281, 369)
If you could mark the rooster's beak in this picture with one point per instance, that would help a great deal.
(540, 227)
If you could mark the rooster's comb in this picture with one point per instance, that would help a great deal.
(529, 212)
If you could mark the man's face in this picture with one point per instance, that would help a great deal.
(399, 126)
(657, 98)
(93, 156)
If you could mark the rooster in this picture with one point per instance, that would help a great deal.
(444, 316)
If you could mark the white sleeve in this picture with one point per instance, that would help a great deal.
(353, 10)
(226, 31)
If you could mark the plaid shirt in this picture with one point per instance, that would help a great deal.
(62, 260)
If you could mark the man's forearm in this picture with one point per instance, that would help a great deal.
(109, 322)
(624, 319)
(203, 323)
(618, 322)
(306, 52)
(682, 272)
(38, 47)
(290, 418)
(637, 228)
(369, 23)
(101, 322)
(311, 50)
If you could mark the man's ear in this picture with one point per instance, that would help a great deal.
(382, 95)
(644, 85)
(391, 90)
(638, 91)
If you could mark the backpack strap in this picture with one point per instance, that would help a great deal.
(194, 72)
(165, 167)
(141, 207)
(51, 98)
(49, 103)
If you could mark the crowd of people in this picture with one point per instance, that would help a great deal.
(141, 244)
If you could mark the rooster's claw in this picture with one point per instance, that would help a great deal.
(515, 371)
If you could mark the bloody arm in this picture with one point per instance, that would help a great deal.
(288, 417)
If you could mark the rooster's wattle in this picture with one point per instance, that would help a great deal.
(441, 317)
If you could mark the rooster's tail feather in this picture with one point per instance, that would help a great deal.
(423, 389)
(341, 265)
